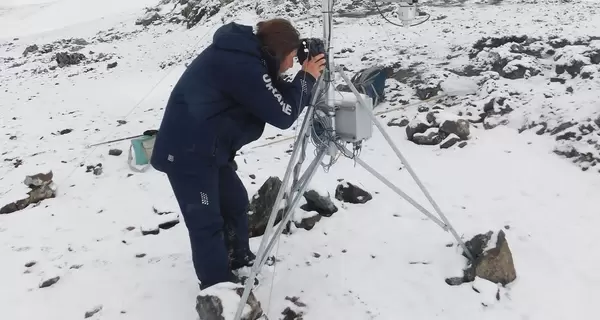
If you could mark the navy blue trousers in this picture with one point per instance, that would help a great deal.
(214, 205)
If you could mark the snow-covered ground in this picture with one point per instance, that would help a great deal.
(378, 260)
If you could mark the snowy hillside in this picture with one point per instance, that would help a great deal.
(523, 77)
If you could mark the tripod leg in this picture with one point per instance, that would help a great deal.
(291, 168)
(304, 181)
(399, 192)
(310, 172)
(404, 161)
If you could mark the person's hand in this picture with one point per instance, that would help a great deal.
(315, 65)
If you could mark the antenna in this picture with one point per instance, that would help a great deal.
(334, 120)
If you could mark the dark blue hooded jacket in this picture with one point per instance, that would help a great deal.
(222, 102)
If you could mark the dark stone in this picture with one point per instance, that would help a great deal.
(430, 138)
(413, 129)
(495, 264)
(153, 231)
(261, 205)
(426, 92)
(559, 80)
(562, 127)
(319, 203)
(210, 307)
(459, 127)
(462, 144)
(566, 136)
(112, 65)
(30, 49)
(115, 152)
(449, 142)
(30, 264)
(169, 224)
(573, 68)
(398, 122)
(66, 59)
(49, 282)
(558, 43)
(350, 193)
(308, 223)
(91, 313)
(289, 314)
(494, 42)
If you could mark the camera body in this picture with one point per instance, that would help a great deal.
(309, 48)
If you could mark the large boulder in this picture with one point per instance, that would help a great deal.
(459, 127)
(493, 260)
(220, 302)
(261, 206)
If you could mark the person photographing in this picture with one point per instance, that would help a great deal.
(222, 102)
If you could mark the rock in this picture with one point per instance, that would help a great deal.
(423, 109)
(30, 264)
(296, 300)
(220, 302)
(91, 313)
(289, 314)
(462, 144)
(148, 19)
(427, 91)
(66, 59)
(30, 49)
(572, 67)
(319, 203)
(429, 138)
(49, 282)
(261, 205)
(42, 188)
(417, 125)
(115, 152)
(562, 127)
(496, 264)
(150, 230)
(38, 180)
(396, 122)
(459, 127)
(350, 193)
(451, 140)
(65, 131)
(493, 262)
(111, 65)
(308, 221)
(495, 42)
(169, 223)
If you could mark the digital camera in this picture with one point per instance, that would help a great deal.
(309, 48)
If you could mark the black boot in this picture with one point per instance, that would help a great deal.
(245, 260)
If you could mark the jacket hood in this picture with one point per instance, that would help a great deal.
(241, 38)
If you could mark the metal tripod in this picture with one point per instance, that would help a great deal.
(300, 183)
